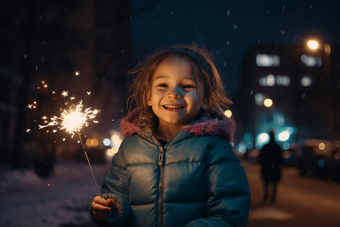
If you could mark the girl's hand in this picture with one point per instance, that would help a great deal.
(102, 208)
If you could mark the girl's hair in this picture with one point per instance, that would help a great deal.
(205, 74)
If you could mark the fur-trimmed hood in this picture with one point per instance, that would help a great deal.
(208, 124)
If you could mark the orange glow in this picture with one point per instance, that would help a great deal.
(92, 142)
(111, 152)
(267, 102)
(313, 44)
(322, 146)
(228, 113)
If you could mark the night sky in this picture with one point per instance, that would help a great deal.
(228, 28)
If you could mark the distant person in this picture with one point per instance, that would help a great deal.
(176, 166)
(271, 161)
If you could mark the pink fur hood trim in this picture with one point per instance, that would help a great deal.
(207, 125)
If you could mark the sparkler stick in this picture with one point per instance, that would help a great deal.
(88, 161)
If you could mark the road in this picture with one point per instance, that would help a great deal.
(62, 200)
(300, 201)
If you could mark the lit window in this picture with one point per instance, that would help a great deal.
(306, 81)
(263, 81)
(265, 60)
(259, 98)
(282, 80)
(311, 61)
(270, 80)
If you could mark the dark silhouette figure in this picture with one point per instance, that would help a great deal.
(271, 160)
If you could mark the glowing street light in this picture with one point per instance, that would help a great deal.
(313, 44)
(228, 113)
(267, 102)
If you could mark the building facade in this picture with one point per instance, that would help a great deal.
(288, 89)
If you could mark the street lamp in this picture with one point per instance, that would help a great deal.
(312, 44)
(268, 102)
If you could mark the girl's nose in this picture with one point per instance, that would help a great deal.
(174, 93)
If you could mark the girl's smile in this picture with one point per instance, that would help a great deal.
(173, 107)
(175, 96)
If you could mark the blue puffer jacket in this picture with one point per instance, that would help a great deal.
(196, 179)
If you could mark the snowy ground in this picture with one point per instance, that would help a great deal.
(59, 201)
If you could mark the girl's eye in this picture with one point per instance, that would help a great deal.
(188, 86)
(162, 85)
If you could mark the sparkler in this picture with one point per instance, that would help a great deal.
(72, 121)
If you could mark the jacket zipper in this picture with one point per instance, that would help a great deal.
(161, 186)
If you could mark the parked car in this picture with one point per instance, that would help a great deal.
(320, 158)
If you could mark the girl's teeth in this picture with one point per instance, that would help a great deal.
(173, 107)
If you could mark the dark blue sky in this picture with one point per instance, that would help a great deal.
(228, 28)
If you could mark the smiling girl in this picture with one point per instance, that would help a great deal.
(176, 166)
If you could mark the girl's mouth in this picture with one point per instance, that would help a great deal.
(173, 107)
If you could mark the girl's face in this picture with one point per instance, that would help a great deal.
(174, 93)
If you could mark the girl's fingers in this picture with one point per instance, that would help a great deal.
(96, 206)
(111, 204)
(100, 200)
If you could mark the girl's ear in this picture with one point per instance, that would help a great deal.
(149, 101)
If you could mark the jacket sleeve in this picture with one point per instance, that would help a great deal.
(227, 184)
(116, 184)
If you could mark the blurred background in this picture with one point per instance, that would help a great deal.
(279, 62)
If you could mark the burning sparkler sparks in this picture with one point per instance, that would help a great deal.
(72, 120)
(76, 73)
(64, 93)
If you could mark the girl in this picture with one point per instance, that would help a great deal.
(175, 166)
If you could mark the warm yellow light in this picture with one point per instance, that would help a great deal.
(228, 113)
(268, 102)
(313, 44)
(88, 142)
(322, 146)
(92, 142)
(116, 139)
(111, 152)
